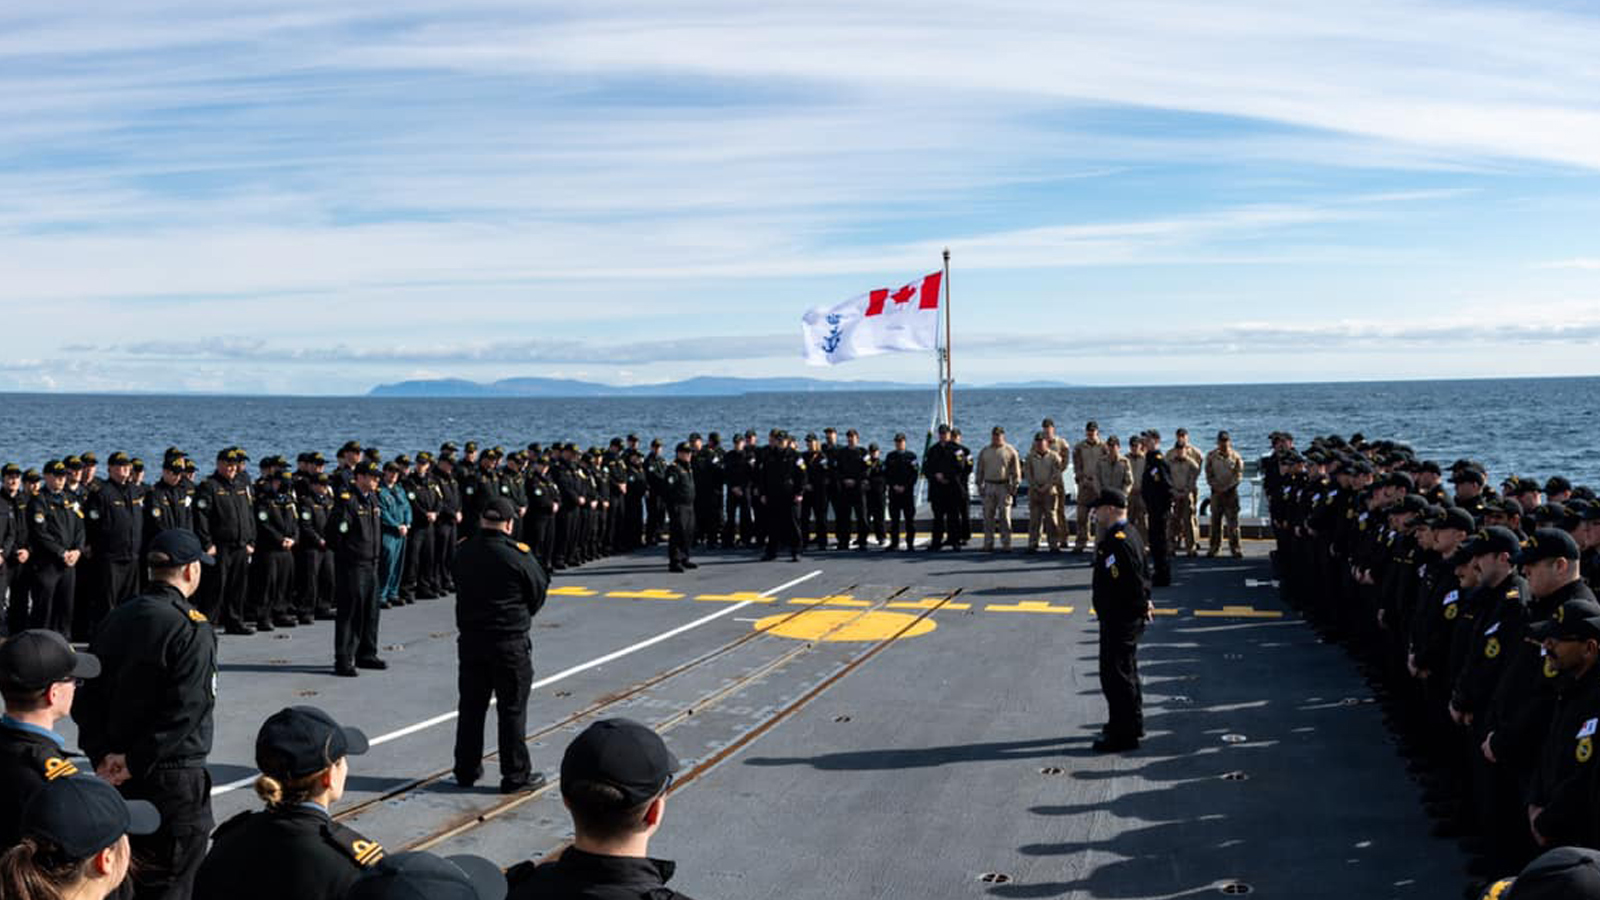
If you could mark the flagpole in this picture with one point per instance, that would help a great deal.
(949, 373)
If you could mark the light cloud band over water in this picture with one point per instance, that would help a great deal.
(305, 198)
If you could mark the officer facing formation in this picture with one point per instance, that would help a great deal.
(680, 487)
(146, 724)
(1122, 605)
(500, 588)
(303, 755)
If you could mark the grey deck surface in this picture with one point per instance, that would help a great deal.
(919, 770)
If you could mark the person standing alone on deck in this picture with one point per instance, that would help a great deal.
(1121, 598)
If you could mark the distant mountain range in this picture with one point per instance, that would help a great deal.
(703, 386)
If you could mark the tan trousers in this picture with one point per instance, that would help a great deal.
(1184, 526)
(1085, 497)
(1042, 505)
(997, 499)
(1137, 516)
(1225, 516)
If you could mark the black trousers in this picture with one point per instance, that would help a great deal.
(946, 502)
(223, 587)
(51, 586)
(416, 573)
(272, 578)
(781, 519)
(903, 507)
(1160, 556)
(680, 533)
(876, 498)
(502, 666)
(16, 596)
(655, 515)
(355, 624)
(1119, 678)
(102, 585)
(850, 506)
(814, 517)
(566, 536)
(539, 532)
(165, 863)
(964, 512)
(444, 551)
(707, 515)
(736, 517)
(313, 575)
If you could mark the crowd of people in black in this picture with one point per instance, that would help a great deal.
(1469, 604)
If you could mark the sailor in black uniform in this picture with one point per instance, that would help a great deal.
(39, 677)
(1121, 598)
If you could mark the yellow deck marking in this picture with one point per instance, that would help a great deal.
(834, 600)
(1164, 612)
(571, 591)
(735, 597)
(928, 603)
(1239, 612)
(647, 594)
(843, 626)
(1029, 606)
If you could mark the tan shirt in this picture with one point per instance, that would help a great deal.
(1136, 469)
(1224, 469)
(999, 464)
(1115, 473)
(1043, 471)
(1185, 465)
(1086, 458)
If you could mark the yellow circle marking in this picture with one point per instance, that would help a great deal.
(839, 625)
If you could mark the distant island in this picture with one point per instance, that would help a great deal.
(703, 386)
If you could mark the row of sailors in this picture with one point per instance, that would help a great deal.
(1473, 614)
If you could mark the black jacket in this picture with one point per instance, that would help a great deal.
(354, 529)
(167, 506)
(114, 515)
(222, 513)
(55, 525)
(1121, 583)
(275, 854)
(499, 585)
(27, 761)
(679, 484)
(592, 877)
(154, 698)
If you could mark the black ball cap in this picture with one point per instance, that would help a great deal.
(1577, 619)
(1467, 476)
(683, 447)
(176, 547)
(498, 510)
(1110, 497)
(1496, 539)
(1565, 873)
(1546, 543)
(1454, 517)
(621, 753)
(83, 815)
(35, 659)
(302, 740)
(368, 467)
(424, 876)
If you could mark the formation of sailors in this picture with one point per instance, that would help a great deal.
(1472, 612)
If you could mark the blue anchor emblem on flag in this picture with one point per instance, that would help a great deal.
(835, 336)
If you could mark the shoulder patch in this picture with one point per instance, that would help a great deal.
(344, 495)
(365, 853)
(57, 767)
(196, 615)
(524, 547)
(1513, 594)
(1120, 535)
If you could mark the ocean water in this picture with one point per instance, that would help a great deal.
(1534, 427)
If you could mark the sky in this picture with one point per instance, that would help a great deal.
(287, 196)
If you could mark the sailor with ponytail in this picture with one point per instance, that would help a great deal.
(292, 847)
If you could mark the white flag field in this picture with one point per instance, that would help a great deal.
(880, 321)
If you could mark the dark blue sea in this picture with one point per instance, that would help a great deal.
(1536, 427)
